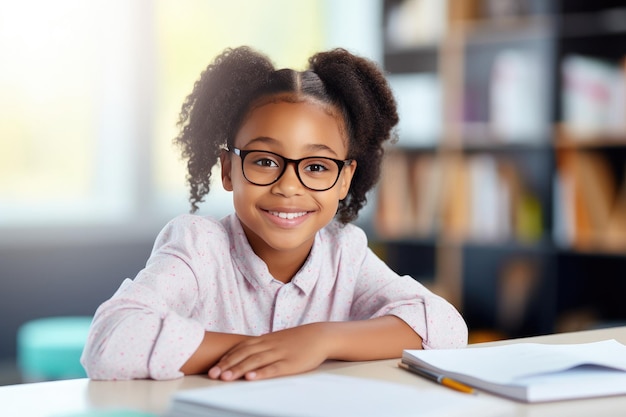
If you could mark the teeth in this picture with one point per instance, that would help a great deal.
(287, 215)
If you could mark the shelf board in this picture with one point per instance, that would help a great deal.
(581, 24)
(478, 138)
(599, 23)
(416, 241)
(413, 148)
(509, 245)
(507, 29)
(591, 144)
(592, 252)
(458, 243)
(424, 59)
(568, 138)
(473, 147)
(503, 147)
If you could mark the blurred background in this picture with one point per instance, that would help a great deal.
(506, 192)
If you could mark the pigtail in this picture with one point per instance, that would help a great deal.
(211, 114)
(360, 89)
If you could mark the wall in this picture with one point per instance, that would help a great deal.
(72, 277)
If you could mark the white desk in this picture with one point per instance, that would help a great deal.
(72, 397)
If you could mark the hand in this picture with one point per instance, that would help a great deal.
(286, 352)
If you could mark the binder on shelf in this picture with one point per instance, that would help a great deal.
(413, 23)
(517, 103)
(454, 217)
(486, 200)
(615, 238)
(590, 204)
(490, 200)
(481, 198)
(418, 97)
(593, 97)
(525, 216)
(427, 176)
(394, 212)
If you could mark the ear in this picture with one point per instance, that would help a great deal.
(226, 163)
(346, 179)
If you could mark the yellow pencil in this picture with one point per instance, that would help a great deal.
(440, 379)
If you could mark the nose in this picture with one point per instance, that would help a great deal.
(289, 184)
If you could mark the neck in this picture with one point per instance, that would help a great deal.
(282, 264)
(284, 268)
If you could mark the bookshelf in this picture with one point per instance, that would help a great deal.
(506, 191)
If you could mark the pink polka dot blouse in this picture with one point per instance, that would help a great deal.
(203, 275)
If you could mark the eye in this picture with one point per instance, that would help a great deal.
(264, 160)
(317, 166)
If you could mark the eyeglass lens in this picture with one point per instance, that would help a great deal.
(265, 168)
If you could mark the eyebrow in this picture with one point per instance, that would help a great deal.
(310, 147)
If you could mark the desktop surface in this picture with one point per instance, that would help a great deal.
(83, 397)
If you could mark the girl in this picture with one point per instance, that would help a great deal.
(285, 282)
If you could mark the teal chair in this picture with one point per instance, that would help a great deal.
(50, 348)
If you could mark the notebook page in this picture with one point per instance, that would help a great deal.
(506, 363)
(337, 395)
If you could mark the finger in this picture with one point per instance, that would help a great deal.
(215, 372)
(238, 354)
(269, 371)
(223, 365)
(251, 363)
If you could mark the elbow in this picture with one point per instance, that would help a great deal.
(108, 366)
(449, 334)
(111, 359)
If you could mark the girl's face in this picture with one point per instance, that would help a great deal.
(285, 216)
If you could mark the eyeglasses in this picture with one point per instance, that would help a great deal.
(316, 173)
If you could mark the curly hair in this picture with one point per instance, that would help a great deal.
(238, 78)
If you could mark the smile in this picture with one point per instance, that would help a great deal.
(288, 216)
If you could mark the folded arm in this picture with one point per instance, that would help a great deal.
(305, 347)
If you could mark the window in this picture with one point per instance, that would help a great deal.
(188, 38)
(55, 84)
(91, 92)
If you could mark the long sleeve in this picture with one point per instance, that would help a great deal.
(381, 291)
(146, 329)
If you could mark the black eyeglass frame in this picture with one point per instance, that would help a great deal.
(242, 153)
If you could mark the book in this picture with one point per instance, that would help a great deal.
(412, 23)
(592, 97)
(590, 192)
(615, 237)
(393, 217)
(517, 98)
(488, 206)
(418, 97)
(532, 372)
(426, 177)
(326, 394)
(454, 217)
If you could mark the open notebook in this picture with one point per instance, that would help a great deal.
(325, 394)
(532, 372)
